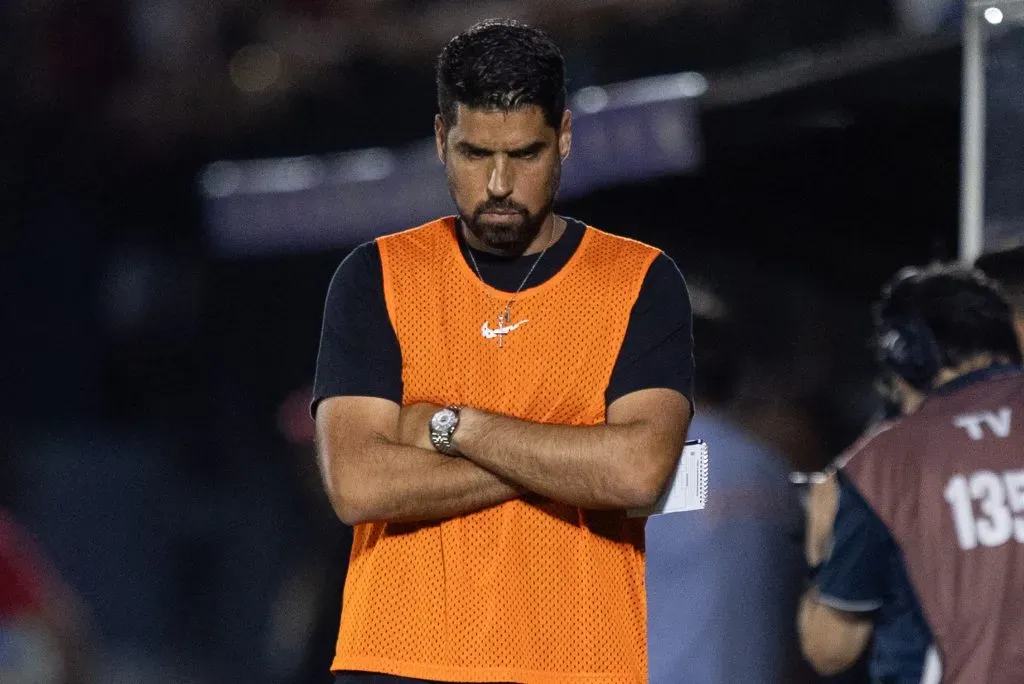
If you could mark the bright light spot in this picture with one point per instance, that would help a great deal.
(692, 84)
(688, 84)
(994, 15)
(591, 100)
(255, 68)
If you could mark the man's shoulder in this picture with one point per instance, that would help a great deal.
(620, 241)
(423, 234)
(416, 250)
(868, 441)
(945, 415)
(1000, 384)
(359, 266)
(618, 257)
(875, 448)
(892, 455)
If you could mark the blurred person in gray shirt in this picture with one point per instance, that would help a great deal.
(723, 583)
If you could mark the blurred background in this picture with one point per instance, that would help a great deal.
(180, 178)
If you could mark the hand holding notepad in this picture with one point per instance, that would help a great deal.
(687, 488)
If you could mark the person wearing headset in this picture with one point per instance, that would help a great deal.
(930, 505)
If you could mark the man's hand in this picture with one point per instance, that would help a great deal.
(378, 465)
(831, 639)
(414, 425)
(821, 514)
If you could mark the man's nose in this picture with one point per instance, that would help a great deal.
(500, 183)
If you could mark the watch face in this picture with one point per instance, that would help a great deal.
(443, 420)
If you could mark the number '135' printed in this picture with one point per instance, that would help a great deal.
(1000, 498)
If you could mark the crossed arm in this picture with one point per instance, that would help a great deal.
(378, 464)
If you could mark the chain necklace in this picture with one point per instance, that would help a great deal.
(505, 325)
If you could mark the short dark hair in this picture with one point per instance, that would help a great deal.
(963, 309)
(1007, 267)
(501, 64)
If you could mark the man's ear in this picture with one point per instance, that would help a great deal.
(565, 135)
(440, 138)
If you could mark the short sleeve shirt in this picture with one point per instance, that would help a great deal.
(360, 355)
(865, 573)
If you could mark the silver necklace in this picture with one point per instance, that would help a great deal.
(505, 318)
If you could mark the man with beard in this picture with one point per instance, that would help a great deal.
(494, 391)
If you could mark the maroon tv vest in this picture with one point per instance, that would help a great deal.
(948, 481)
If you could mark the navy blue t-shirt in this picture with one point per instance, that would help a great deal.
(865, 573)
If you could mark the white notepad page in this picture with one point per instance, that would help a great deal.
(688, 487)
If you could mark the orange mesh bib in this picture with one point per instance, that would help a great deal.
(530, 591)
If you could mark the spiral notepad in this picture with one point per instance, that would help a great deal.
(688, 487)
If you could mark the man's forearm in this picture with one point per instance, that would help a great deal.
(603, 466)
(396, 483)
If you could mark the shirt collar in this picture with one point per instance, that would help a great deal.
(994, 371)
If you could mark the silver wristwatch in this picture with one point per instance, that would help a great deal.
(442, 428)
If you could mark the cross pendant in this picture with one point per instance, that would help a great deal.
(502, 322)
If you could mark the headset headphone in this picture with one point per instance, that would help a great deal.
(904, 342)
(907, 347)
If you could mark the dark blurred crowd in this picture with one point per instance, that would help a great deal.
(169, 71)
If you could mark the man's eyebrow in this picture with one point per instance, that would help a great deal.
(527, 150)
(470, 148)
(532, 148)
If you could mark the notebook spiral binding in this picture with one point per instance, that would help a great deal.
(702, 478)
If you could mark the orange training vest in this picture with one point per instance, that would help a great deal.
(530, 591)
